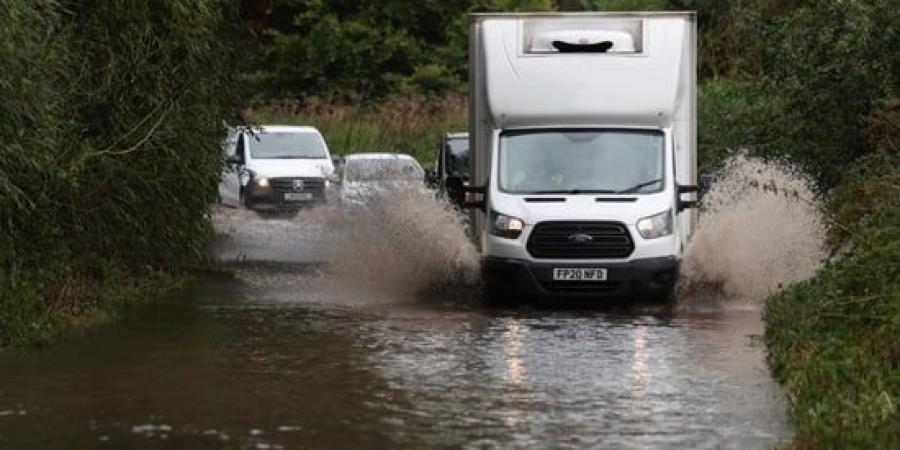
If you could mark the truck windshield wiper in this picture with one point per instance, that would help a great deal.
(576, 191)
(638, 187)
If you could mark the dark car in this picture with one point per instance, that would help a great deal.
(451, 167)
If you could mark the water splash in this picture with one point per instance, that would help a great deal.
(760, 229)
(401, 241)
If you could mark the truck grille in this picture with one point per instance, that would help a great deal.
(580, 240)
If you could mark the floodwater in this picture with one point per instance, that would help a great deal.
(227, 365)
(323, 338)
(275, 357)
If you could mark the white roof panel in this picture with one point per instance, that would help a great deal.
(638, 88)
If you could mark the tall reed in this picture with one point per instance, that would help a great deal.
(404, 123)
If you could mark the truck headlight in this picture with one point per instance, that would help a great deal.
(506, 226)
(262, 182)
(656, 226)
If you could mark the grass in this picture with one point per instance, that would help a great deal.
(406, 124)
(75, 304)
(834, 341)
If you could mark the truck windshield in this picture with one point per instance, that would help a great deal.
(287, 146)
(581, 161)
(383, 169)
(458, 157)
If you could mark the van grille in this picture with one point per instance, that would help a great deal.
(580, 240)
(314, 185)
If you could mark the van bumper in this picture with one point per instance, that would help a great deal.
(271, 200)
(652, 278)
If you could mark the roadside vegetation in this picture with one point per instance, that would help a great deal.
(111, 119)
(409, 123)
(113, 113)
(817, 84)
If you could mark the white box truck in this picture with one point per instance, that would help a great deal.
(583, 151)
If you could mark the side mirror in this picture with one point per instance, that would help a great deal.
(685, 204)
(466, 196)
(456, 190)
(233, 160)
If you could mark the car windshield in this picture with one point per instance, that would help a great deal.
(458, 157)
(581, 161)
(287, 146)
(383, 169)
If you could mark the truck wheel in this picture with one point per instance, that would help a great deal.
(663, 298)
(497, 293)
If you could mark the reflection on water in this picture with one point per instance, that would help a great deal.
(640, 371)
(271, 365)
(512, 346)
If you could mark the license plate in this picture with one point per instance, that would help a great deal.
(298, 196)
(579, 274)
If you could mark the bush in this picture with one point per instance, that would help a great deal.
(832, 61)
(833, 341)
(802, 78)
(370, 49)
(111, 123)
(738, 116)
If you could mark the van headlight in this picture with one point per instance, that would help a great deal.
(506, 226)
(656, 226)
(262, 182)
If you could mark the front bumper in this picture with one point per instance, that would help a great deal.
(639, 278)
(270, 199)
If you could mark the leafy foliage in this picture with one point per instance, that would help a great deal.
(333, 48)
(833, 341)
(110, 127)
(610, 5)
(822, 66)
(730, 113)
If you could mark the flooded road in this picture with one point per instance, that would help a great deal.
(271, 359)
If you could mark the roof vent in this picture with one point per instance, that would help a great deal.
(583, 41)
(583, 35)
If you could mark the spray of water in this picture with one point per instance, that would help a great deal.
(400, 241)
(760, 228)
(393, 245)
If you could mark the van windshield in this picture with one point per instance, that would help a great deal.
(287, 146)
(581, 161)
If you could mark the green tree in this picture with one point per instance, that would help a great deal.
(334, 47)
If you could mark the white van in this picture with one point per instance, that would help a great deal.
(276, 168)
(583, 137)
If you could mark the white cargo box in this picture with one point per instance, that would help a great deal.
(606, 69)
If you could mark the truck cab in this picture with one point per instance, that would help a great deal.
(582, 136)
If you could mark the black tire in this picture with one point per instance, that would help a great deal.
(662, 298)
(498, 292)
